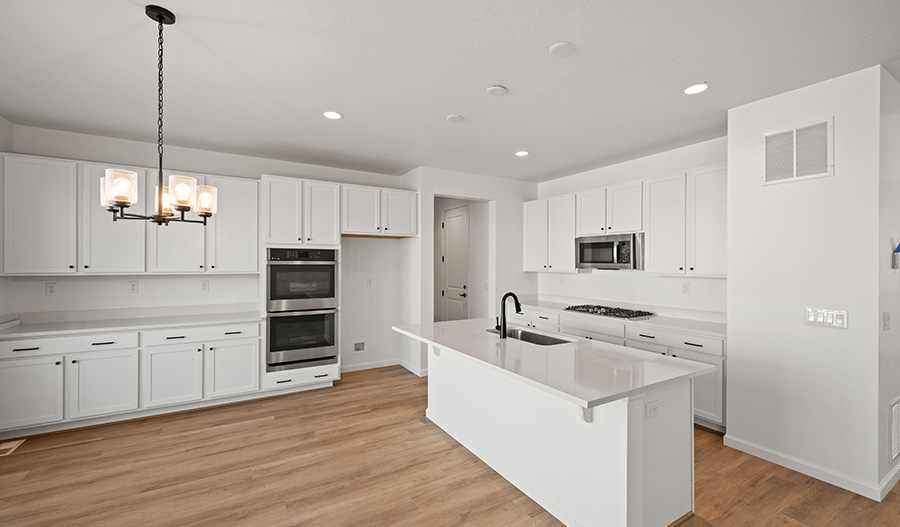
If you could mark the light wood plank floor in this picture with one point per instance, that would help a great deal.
(361, 453)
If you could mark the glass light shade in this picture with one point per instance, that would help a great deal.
(166, 202)
(120, 187)
(183, 192)
(207, 199)
(103, 201)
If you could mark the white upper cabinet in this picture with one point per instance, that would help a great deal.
(549, 234)
(399, 212)
(282, 205)
(665, 214)
(231, 233)
(39, 212)
(376, 211)
(623, 208)
(177, 247)
(707, 220)
(109, 246)
(590, 207)
(321, 213)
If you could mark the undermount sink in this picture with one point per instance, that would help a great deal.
(533, 338)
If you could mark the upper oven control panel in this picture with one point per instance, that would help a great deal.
(301, 255)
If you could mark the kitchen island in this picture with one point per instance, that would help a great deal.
(597, 434)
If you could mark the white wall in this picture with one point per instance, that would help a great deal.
(707, 295)
(6, 298)
(6, 135)
(6, 295)
(889, 279)
(805, 396)
(477, 255)
(367, 313)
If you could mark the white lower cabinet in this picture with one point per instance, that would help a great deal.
(231, 368)
(100, 383)
(708, 389)
(171, 374)
(31, 392)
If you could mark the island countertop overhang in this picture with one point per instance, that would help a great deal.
(588, 373)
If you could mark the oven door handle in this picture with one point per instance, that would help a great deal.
(303, 313)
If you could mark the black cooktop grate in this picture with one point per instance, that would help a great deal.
(609, 311)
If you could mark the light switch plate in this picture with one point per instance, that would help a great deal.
(827, 318)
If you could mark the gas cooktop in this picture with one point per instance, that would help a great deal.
(607, 311)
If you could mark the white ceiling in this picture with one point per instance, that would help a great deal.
(253, 77)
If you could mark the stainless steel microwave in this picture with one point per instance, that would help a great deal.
(613, 251)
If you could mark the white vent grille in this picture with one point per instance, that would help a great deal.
(895, 429)
(803, 152)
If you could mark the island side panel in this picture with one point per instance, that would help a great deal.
(577, 471)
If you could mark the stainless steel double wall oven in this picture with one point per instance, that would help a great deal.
(302, 301)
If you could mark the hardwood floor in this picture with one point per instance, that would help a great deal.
(361, 453)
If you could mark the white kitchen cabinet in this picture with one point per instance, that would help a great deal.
(533, 318)
(707, 220)
(709, 392)
(31, 391)
(232, 232)
(665, 213)
(171, 374)
(590, 207)
(109, 246)
(39, 213)
(321, 213)
(549, 234)
(376, 211)
(623, 208)
(177, 247)
(231, 367)
(101, 383)
(282, 207)
(592, 327)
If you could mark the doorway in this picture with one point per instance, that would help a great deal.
(460, 274)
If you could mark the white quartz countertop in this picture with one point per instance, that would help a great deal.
(586, 372)
(701, 327)
(124, 324)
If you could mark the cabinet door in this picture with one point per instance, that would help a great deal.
(101, 383)
(177, 247)
(561, 233)
(31, 392)
(321, 209)
(231, 233)
(662, 350)
(399, 212)
(590, 208)
(360, 210)
(282, 207)
(664, 206)
(109, 246)
(623, 208)
(171, 374)
(39, 212)
(708, 389)
(231, 367)
(707, 220)
(535, 235)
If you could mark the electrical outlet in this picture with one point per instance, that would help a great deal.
(370, 281)
(651, 409)
(133, 286)
(204, 286)
(50, 288)
(886, 320)
(685, 288)
(359, 347)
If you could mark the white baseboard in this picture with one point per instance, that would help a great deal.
(420, 372)
(868, 490)
(369, 365)
(889, 481)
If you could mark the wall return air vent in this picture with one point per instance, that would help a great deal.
(800, 153)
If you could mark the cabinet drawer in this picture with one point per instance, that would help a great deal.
(537, 316)
(697, 343)
(593, 325)
(159, 337)
(300, 376)
(45, 346)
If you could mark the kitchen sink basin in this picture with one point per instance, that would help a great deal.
(533, 338)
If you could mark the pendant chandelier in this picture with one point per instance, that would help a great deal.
(119, 187)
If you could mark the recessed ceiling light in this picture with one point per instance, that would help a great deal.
(561, 49)
(496, 89)
(694, 89)
(455, 118)
(332, 115)
(522, 153)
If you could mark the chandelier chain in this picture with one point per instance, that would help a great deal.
(159, 121)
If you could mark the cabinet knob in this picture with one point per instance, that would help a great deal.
(74, 361)
(58, 363)
(199, 350)
(681, 268)
(71, 267)
(692, 268)
(201, 267)
(308, 239)
(213, 266)
(85, 267)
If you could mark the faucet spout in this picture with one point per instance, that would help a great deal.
(503, 311)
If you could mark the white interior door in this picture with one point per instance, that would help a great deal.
(455, 268)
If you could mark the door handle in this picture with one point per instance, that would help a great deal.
(462, 295)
